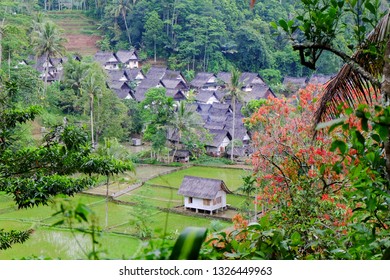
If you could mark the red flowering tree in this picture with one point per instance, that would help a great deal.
(301, 181)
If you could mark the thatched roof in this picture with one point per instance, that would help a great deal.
(225, 77)
(320, 79)
(176, 94)
(126, 56)
(180, 153)
(258, 92)
(117, 75)
(202, 79)
(218, 135)
(296, 81)
(105, 57)
(250, 79)
(173, 84)
(156, 73)
(201, 187)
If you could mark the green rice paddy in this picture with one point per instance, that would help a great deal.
(118, 239)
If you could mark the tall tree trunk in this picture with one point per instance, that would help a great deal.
(385, 89)
(127, 28)
(233, 126)
(91, 116)
(155, 50)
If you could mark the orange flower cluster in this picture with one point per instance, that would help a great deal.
(286, 154)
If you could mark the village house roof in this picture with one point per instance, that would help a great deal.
(320, 79)
(199, 187)
(222, 106)
(125, 56)
(119, 85)
(214, 126)
(205, 96)
(156, 73)
(218, 112)
(224, 77)
(203, 108)
(176, 94)
(250, 79)
(218, 135)
(192, 107)
(135, 74)
(174, 75)
(180, 153)
(117, 75)
(203, 79)
(173, 84)
(218, 118)
(105, 58)
(300, 82)
(240, 151)
(258, 92)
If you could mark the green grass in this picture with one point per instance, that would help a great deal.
(157, 196)
(231, 177)
(74, 22)
(62, 244)
(170, 223)
(58, 241)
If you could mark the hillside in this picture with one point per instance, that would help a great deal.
(80, 31)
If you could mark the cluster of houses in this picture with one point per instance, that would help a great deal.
(209, 96)
(208, 92)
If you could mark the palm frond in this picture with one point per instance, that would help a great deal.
(358, 80)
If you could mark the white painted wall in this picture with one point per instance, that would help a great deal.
(197, 203)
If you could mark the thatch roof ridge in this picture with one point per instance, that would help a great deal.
(201, 187)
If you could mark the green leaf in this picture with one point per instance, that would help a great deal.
(295, 238)
(370, 7)
(283, 24)
(376, 138)
(338, 144)
(188, 244)
(360, 138)
(273, 24)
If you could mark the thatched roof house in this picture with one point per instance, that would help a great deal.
(204, 194)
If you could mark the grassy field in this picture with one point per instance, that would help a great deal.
(117, 239)
(231, 177)
(119, 235)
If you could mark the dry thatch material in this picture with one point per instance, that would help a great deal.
(201, 187)
(351, 85)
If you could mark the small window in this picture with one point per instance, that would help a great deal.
(190, 200)
(206, 202)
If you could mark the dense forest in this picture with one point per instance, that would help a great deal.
(188, 35)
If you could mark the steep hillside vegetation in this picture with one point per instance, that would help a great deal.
(80, 31)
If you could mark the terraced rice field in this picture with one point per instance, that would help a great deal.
(80, 31)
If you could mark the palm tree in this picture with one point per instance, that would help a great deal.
(74, 73)
(186, 121)
(359, 78)
(121, 8)
(248, 188)
(236, 94)
(47, 42)
(92, 87)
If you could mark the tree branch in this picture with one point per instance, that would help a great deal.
(349, 60)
